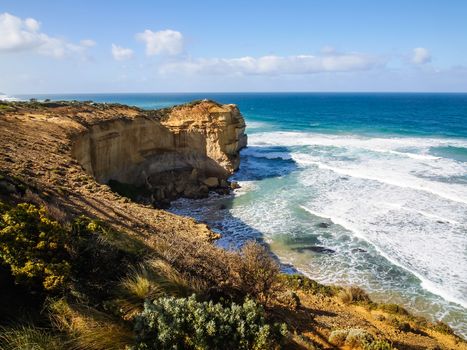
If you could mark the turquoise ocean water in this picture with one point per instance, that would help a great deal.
(366, 189)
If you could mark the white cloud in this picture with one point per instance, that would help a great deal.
(87, 43)
(120, 53)
(169, 42)
(17, 34)
(277, 65)
(420, 55)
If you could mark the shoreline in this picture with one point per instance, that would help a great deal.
(190, 206)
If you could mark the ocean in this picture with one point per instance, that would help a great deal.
(350, 189)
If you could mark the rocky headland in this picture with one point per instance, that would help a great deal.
(101, 173)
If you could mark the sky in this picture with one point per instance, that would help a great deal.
(64, 46)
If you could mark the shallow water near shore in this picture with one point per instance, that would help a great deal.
(366, 189)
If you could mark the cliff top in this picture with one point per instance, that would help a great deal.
(88, 112)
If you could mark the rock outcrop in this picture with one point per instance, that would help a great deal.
(180, 151)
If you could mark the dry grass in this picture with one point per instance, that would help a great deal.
(338, 337)
(29, 338)
(89, 328)
(353, 294)
(150, 281)
(258, 271)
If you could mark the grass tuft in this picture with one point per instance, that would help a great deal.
(150, 281)
(90, 328)
(30, 338)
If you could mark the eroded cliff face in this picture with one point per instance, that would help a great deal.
(181, 151)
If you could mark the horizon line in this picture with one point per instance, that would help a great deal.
(240, 92)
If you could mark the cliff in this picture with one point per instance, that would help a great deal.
(66, 153)
(181, 151)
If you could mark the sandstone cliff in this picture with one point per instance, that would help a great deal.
(174, 152)
(66, 153)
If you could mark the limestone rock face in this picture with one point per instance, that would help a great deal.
(172, 153)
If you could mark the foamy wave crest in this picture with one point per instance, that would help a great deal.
(4, 97)
(376, 144)
(434, 287)
(390, 192)
(256, 125)
(379, 171)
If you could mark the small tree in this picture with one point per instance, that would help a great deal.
(258, 271)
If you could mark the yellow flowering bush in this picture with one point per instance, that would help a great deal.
(33, 246)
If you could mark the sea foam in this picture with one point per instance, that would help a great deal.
(385, 191)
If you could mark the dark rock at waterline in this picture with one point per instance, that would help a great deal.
(315, 249)
(358, 250)
(222, 190)
(234, 185)
(223, 207)
(323, 225)
(288, 268)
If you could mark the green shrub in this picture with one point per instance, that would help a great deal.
(185, 323)
(44, 255)
(442, 327)
(34, 247)
(296, 281)
(378, 345)
(357, 338)
(401, 325)
(393, 309)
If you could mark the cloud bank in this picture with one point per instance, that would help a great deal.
(328, 61)
(18, 34)
(168, 42)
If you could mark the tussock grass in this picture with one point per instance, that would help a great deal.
(338, 337)
(149, 281)
(26, 337)
(89, 328)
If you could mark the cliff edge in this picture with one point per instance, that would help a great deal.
(180, 151)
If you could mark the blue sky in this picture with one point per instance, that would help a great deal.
(183, 46)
